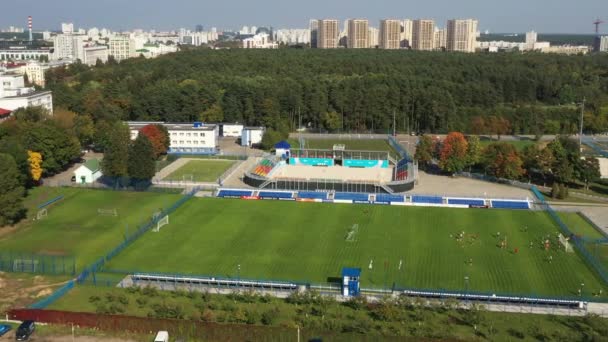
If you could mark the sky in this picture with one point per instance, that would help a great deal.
(544, 16)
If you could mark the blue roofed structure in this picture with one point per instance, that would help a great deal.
(351, 272)
(350, 281)
(283, 145)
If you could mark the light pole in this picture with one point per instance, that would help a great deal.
(466, 288)
(238, 276)
(582, 289)
(580, 133)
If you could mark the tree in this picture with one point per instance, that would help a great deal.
(116, 153)
(331, 121)
(562, 169)
(64, 118)
(453, 156)
(13, 146)
(35, 160)
(589, 171)
(537, 160)
(502, 160)
(31, 114)
(84, 128)
(215, 113)
(57, 146)
(424, 151)
(271, 137)
(141, 164)
(157, 139)
(498, 125)
(11, 191)
(473, 150)
(478, 125)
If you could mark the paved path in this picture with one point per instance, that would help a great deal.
(235, 180)
(429, 184)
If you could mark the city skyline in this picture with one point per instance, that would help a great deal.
(500, 17)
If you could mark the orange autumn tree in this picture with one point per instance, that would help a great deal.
(453, 155)
(35, 160)
(158, 137)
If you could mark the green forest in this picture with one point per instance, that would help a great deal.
(345, 90)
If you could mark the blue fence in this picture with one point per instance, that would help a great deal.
(97, 265)
(599, 150)
(395, 144)
(47, 203)
(37, 263)
(60, 292)
(578, 242)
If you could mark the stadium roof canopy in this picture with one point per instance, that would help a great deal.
(351, 272)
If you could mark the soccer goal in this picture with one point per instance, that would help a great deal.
(161, 222)
(25, 265)
(107, 212)
(564, 241)
(42, 213)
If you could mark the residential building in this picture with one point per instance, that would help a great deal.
(390, 34)
(357, 34)
(14, 94)
(328, 34)
(67, 28)
(153, 50)
(462, 35)
(406, 33)
(35, 72)
(252, 136)
(313, 27)
(24, 53)
(92, 54)
(566, 49)
(260, 41)
(122, 47)
(423, 34)
(374, 35)
(292, 36)
(603, 44)
(440, 40)
(531, 39)
(185, 138)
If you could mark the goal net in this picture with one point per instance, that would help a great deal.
(42, 213)
(161, 222)
(25, 265)
(107, 212)
(564, 241)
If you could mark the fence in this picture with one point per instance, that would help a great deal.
(133, 237)
(37, 263)
(395, 145)
(47, 203)
(60, 292)
(205, 331)
(578, 242)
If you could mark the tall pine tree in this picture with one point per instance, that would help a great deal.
(142, 166)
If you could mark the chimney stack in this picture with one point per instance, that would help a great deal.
(29, 26)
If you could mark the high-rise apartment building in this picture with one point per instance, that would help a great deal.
(406, 33)
(462, 35)
(390, 34)
(313, 26)
(67, 28)
(357, 34)
(374, 35)
(328, 34)
(440, 40)
(603, 44)
(423, 34)
(121, 47)
(531, 39)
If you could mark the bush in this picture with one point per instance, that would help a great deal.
(94, 299)
(252, 317)
(141, 302)
(122, 299)
(208, 316)
(149, 291)
(269, 317)
(356, 303)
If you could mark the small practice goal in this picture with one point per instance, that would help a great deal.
(42, 213)
(564, 241)
(107, 212)
(161, 222)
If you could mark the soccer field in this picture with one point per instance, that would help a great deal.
(349, 144)
(73, 226)
(415, 247)
(201, 170)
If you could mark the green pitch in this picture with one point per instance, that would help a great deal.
(349, 144)
(416, 247)
(201, 170)
(73, 226)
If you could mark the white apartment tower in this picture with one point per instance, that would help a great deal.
(328, 35)
(67, 28)
(314, 31)
(531, 39)
(121, 47)
(462, 35)
(357, 34)
(423, 34)
(374, 35)
(406, 32)
(390, 34)
(440, 40)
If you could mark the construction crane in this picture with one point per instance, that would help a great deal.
(597, 23)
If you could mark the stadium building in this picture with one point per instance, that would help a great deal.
(185, 138)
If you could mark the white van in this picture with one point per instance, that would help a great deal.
(162, 336)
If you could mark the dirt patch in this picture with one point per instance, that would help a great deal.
(44, 293)
(7, 230)
(81, 339)
(22, 290)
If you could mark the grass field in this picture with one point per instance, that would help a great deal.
(307, 242)
(350, 144)
(201, 170)
(73, 226)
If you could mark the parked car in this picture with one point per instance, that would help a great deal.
(25, 330)
(4, 328)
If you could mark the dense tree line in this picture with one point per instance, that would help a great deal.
(345, 90)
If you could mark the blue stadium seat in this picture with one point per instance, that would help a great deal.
(427, 199)
(275, 194)
(234, 193)
(466, 201)
(510, 204)
(312, 195)
(386, 198)
(351, 196)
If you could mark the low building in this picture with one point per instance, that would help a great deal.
(24, 53)
(92, 54)
(252, 136)
(14, 94)
(88, 172)
(185, 138)
(259, 41)
(231, 130)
